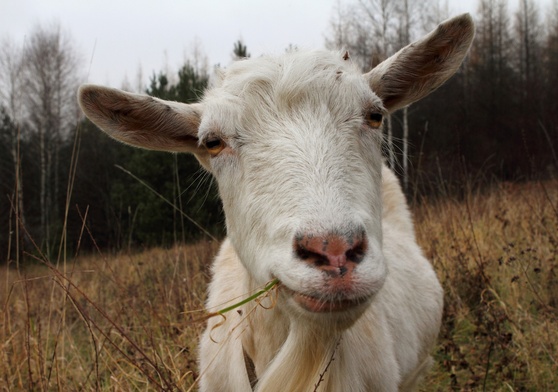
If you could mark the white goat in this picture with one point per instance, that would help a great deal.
(294, 143)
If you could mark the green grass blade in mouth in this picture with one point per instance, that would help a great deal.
(268, 287)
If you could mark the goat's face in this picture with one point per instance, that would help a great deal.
(294, 143)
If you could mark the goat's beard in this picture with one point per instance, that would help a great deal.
(305, 356)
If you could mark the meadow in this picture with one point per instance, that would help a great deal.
(130, 321)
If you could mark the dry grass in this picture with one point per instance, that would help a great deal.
(496, 255)
(121, 323)
(118, 323)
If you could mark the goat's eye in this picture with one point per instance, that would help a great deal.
(374, 119)
(214, 146)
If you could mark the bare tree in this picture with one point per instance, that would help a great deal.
(371, 31)
(365, 29)
(529, 31)
(197, 58)
(51, 66)
(11, 98)
(550, 66)
(528, 28)
(492, 58)
(369, 40)
(11, 78)
(552, 77)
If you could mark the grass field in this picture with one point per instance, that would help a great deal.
(127, 322)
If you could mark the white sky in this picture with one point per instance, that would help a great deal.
(116, 36)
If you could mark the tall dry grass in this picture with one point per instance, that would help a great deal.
(123, 322)
(118, 323)
(496, 255)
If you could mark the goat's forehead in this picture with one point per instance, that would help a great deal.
(308, 81)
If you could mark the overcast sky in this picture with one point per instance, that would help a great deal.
(115, 37)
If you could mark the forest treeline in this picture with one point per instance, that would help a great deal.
(66, 186)
(497, 119)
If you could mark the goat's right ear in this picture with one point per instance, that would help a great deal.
(143, 121)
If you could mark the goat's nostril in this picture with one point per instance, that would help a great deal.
(356, 254)
(331, 250)
(311, 257)
(302, 253)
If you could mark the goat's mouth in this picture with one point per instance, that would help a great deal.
(326, 303)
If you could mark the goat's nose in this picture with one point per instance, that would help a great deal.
(333, 253)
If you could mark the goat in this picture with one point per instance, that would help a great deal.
(294, 142)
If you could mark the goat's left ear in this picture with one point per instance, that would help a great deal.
(143, 121)
(423, 66)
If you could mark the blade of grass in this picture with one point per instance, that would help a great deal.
(166, 201)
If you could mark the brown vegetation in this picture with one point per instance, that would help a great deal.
(496, 255)
(124, 322)
(107, 323)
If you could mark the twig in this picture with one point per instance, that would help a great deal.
(331, 359)
(87, 320)
(487, 366)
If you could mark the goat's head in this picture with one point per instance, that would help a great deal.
(294, 143)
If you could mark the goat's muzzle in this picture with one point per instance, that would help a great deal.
(336, 256)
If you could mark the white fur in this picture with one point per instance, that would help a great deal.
(379, 352)
(300, 159)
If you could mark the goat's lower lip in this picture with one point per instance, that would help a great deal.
(319, 305)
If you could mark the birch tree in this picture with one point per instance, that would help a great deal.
(51, 66)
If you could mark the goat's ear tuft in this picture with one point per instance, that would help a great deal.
(143, 121)
(423, 66)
